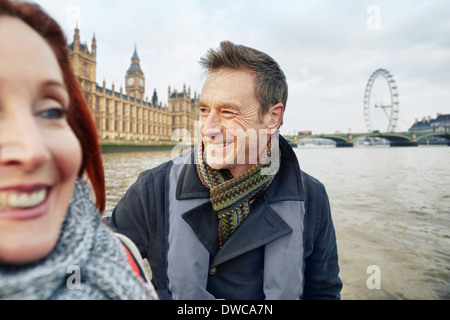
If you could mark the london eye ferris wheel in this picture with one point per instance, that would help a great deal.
(381, 102)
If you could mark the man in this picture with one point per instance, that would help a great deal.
(235, 218)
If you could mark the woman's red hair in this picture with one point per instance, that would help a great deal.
(79, 117)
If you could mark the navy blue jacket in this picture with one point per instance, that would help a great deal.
(284, 249)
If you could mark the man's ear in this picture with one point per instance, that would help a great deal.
(274, 116)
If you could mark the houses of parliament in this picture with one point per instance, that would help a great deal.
(130, 115)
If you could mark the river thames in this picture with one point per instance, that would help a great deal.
(390, 207)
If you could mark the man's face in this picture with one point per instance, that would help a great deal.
(230, 123)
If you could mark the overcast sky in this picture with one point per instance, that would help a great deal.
(327, 49)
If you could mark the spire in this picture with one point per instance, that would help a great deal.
(94, 45)
(135, 55)
(154, 98)
(76, 37)
(135, 67)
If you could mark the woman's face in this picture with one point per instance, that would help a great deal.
(39, 153)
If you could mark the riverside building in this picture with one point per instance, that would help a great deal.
(129, 115)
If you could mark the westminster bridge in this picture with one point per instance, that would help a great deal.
(396, 139)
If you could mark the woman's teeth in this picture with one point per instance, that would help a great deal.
(11, 200)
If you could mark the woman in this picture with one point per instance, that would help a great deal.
(52, 243)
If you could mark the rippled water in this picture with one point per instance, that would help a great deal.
(122, 169)
(390, 206)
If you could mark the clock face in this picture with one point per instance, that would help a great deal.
(141, 82)
(131, 81)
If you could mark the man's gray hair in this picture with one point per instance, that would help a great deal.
(271, 86)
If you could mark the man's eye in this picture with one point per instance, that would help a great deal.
(53, 113)
(228, 113)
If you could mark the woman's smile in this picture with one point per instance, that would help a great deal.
(24, 202)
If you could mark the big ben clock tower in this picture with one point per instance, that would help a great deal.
(134, 78)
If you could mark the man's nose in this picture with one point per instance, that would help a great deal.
(22, 142)
(212, 125)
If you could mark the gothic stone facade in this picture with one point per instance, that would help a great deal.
(128, 116)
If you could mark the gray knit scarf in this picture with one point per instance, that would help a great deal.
(88, 262)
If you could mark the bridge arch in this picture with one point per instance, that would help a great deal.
(340, 140)
(399, 140)
(396, 139)
(424, 135)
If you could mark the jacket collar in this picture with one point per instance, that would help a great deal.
(262, 225)
(286, 186)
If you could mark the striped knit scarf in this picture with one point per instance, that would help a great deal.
(230, 196)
